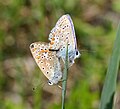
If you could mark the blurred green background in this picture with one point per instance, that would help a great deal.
(25, 21)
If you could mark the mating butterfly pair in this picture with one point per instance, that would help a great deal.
(47, 55)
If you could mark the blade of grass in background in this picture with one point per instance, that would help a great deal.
(64, 82)
(111, 77)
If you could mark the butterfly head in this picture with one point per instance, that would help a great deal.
(72, 57)
(77, 54)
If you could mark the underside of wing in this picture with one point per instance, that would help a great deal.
(45, 59)
(62, 33)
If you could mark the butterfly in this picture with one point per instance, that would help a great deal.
(47, 55)
(47, 61)
(62, 34)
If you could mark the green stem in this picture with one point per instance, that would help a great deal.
(64, 82)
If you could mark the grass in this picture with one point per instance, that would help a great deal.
(64, 82)
(111, 77)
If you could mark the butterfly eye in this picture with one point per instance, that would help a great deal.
(77, 53)
(50, 83)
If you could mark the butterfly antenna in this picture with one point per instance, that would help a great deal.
(44, 85)
(37, 86)
(87, 51)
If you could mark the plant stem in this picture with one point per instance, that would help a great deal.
(64, 82)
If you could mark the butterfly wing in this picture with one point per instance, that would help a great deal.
(60, 35)
(46, 60)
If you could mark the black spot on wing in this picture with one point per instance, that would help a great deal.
(31, 46)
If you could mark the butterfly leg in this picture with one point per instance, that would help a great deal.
(59, 86)
(62, 80)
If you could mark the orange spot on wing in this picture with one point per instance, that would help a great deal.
(50, 47)
(37, 57)
(51, 42)
(53, 39)
(39, 52)
(46, 50)
(53, 34)
(42, 51)
(34, 49)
